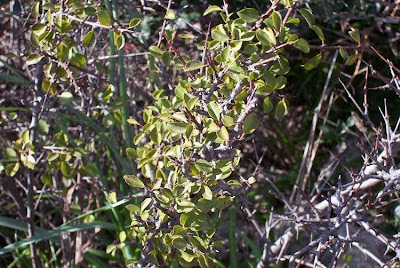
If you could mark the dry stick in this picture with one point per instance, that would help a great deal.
(388, 135)
(301, 179)
(324, 47)
(98, 25)
(317, 142)
(161, 34)
(388, 62)
(203, 59)
(370, 182)
(368, 253)
(266, 14)
(390, 244)
(90, 61)
(35, 108)
(367, 119)
(177, 54)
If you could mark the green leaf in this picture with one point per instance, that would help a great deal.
(193, 65)
(266, 37)
(131, 152)
(66, 98)
(43, 127)
(46, 179)
(25, 136)
(33, 59)
(212, 9)
(302, 45)
(207, 194)
(319, 32)
(77, 59)
(313, 62)
(119, 41)
(35, 10)
(249, 15)
(134, 22)
(170, 15)
(276, 20)
(228, 121)
(103, 17)
(10, 154)
(250, 124)
(267, 105)
(223, 134)
(281, 109)
(179, 243)
(89, 39)
(66, 169)
(295, 21)
(308, 16)
(134, 181)
(203, 165)
(343, 53)
(156, 52)
(355, 35)
(351, 60)
(12, 169)
(39, 29)
(177, 127)
(133, 121)
(219, 34)
(214, 111)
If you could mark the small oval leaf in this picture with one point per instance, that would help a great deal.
(134, 181)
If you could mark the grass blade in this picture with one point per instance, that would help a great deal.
(55, 233)
(232, 238)
(23, 226)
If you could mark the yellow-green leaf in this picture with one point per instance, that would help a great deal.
(38, 29)
(351, 60)
(266, 37)
(281, 109)
(33, 59)
(313, 62)
(89, 39)
(267, 105)
(276, 20)
(134, 181)
(177, 127)
(319, 32)
(214, 111)
(249, 15)
(103, 17)
(119, 41)
(134, 22)
(219, 34)
(344, 53)
(156, 51)
(308, 16)
(207, 193)
(203, 165)
(250, 124)
(179, 243)
(223, 134)
(170, 15)
(12, 169)
(193, 65)
(212, 9)
(302, 45)
(43, 127)
(355, 35)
